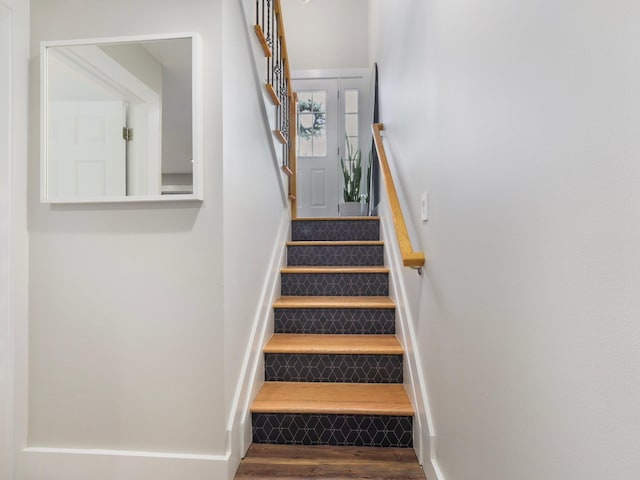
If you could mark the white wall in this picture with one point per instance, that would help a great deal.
(521, 121)
(326, 34)
(126, 302)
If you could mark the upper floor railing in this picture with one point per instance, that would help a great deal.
(269, 29)
(410, 257)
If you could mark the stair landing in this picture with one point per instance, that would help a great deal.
(329, 463)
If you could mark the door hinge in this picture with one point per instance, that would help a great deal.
(127, 134)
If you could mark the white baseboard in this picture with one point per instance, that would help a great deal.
(414, 379)
(252, 370)
(432, 470)
(82, 464)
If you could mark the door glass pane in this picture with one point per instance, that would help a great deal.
(304, 97)
(320, 146)
(351, 101)
(305, 147)
(351, 142)
(312, 116)
(351, 124)
(351, 121)
(319, 101)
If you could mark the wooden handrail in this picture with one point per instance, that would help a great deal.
(410, 258)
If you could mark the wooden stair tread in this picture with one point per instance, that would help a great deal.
(334, 344)
(334, 270)
(333, 398)
(324, 219)
(331, 243)
(333, 302)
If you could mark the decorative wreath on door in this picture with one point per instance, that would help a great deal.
(318, 119)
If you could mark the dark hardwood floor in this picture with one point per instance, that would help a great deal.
(294, 462)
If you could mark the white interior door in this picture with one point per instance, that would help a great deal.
(87, 152)
(317, 147)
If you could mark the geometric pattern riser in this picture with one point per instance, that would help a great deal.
(354, 321)
(335, 255)
(335, 284)
(334, 230)
(331, 429)
(344, 368)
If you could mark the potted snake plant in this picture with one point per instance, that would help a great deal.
(355, 203)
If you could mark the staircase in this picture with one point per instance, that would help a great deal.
(333, 368)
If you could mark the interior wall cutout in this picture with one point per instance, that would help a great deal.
(121, 117)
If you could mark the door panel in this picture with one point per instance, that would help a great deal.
(319, 188)
(87, 154)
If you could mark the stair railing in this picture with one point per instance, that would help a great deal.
(410, 257)
(270, 31)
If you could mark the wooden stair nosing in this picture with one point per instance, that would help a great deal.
(333, 398)
(334, 243)
(334, 344)
(332, 269)
(334, 302)
(325, 219)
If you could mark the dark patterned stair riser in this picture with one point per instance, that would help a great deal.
(335, 230)
(354, 321)
(335, 255)
(344, 368)
(335, 284)
(330, 429)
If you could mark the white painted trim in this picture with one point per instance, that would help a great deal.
(122, 39)
(81, 464)
(330, 73)
(16, 14)
(252, 371)
(197, 111)
(6, 364)
(415, 383)
(126, 453)
(182, 197)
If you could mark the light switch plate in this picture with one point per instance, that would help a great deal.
(424, 206)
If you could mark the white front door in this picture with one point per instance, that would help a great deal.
(87, 152)
(317, 147)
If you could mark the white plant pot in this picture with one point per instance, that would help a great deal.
(352, 209)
